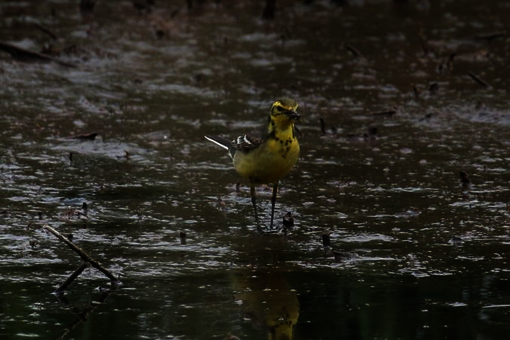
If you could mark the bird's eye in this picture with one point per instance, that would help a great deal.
(279, 109)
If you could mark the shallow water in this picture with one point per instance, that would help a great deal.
(413, 253)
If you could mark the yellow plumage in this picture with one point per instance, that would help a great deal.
(267, 156)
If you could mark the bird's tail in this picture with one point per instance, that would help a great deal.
(220, 141)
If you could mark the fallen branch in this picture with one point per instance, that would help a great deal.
(84, 256)
(22, 54)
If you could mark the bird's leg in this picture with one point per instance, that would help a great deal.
(273, 202)
(254, 202)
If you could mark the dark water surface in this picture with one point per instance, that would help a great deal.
(414, 254)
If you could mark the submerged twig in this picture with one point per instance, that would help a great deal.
(323, 127)
(288, 220)
(354, 51)
(326, 239)
(426, 117)
(389, 113)
(84, 256)
(182, 236)
(47, 31)
(89, 136)
(490, 36)
(81, 315)
(71, 278)
(478, 80)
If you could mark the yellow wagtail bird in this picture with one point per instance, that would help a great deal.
(266, 156)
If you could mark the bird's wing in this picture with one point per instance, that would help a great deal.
(247, 142)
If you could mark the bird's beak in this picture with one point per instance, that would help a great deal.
(293, 115)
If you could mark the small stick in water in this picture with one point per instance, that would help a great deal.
(326, 240)
(354, 51)
(478, 80)
(71, 278)
(323, 127)
(389, 113)
(47, 31)
(84, 256)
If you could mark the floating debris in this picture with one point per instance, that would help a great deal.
(427, 116)
(456, 241)
(89, 136)
(478, 80)
(46, 31)
(389, 113)
(490, 36)
(368, 136)
(433, 88)
(21, 54)
(341, 256)
(354, 51)
(326, 239)
(323, 128)
(288, 220)
(465, 181)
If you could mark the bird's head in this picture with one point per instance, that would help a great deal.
(284, 109)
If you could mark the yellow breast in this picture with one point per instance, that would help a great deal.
(271, 161)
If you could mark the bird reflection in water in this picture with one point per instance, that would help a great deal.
(268, 301)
